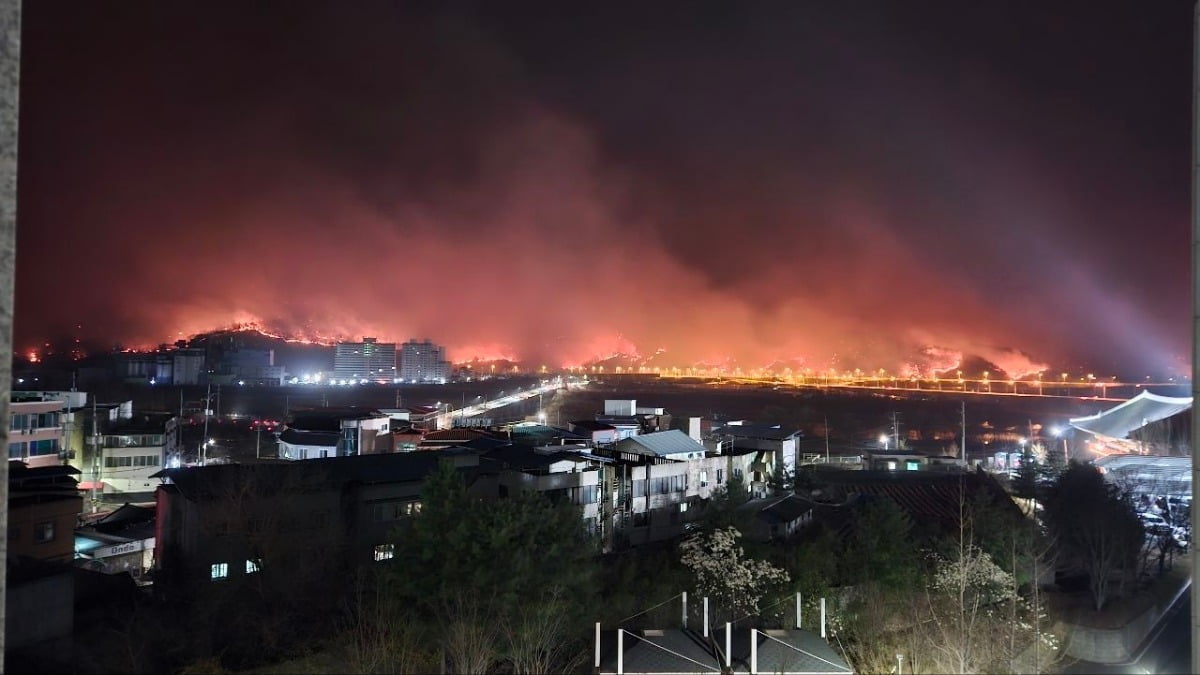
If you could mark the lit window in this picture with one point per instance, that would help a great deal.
(43, 532)
(220, 570)
(385, 552)
(682, 507)
(252, 566)
(703, 479)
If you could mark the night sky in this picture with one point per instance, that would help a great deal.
(848, 184)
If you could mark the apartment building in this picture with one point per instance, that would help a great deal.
(369, 361)
(35, 429)
(423, 361)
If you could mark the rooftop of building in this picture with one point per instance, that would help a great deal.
(663, 443)
(785, 509)
(541, 434)
(592, 425)
(324, 439)
(759, 430)
(139, 423)
(326, 419)
(317, 473)
(522, 458)
(927, 496)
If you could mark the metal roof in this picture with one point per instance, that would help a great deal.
(1137, 412)
(663, 443)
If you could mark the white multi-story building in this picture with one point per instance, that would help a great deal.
(133, 449)
(35, 429)
(423, 362)
(368, 360)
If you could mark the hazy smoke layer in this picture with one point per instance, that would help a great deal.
(746, 191)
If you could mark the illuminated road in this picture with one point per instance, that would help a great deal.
(446, 419)
(1092, 390)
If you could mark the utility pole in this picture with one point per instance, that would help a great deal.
(204, 440)
(827, 439)
(962, 457)
(95, 456)
(895, 430)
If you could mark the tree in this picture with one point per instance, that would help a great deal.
(1026, 483)
(1095, 526)
(783, 481)
(880, 549)
(381, 636)
(725, 574)
(495, 575)
(724, 507)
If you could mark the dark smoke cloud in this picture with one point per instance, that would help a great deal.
(844, 188)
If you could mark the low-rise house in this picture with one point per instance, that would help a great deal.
(599, 433)
(423, 417)
(333, 432)
(895, 460)
(298, 444)
(43, 506)
(450, 438)
(119, 542)
(532, 434)
(778, 517)
(406, 438)
(932, 499)
(775, 438)
(660, 445)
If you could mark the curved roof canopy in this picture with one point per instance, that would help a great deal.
(1137, 412)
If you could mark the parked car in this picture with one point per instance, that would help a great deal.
(1154, 524)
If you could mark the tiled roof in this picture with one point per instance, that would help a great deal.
(925, 496)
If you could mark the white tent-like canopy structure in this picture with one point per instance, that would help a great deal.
(1120, 421)
(1124, 459)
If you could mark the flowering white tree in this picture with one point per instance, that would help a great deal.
(979, 622)
(736, 583)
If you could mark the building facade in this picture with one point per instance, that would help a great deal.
(423, 362)
(35, 429)
(369, 360)
(128, 450)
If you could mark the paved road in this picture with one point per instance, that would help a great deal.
(1167, 649)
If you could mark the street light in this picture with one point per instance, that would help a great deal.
(883, 440)
(1057, 432)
